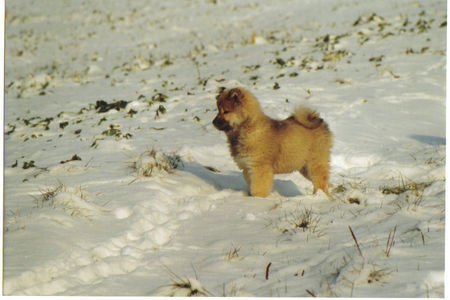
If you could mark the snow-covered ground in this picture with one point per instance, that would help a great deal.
(116, 182)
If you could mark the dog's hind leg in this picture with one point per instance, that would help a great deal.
(319, 178)
(304, 171)
(261, 181)
(246, 174)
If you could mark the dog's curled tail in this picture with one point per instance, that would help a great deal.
(307, 118)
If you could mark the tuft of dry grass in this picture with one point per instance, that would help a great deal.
(351, 191)
(409, 193)
(191, 286)
(72, 201)
(182, 287)
(305, 220)
(409, 200)
(233, 253)
(377, 275)
(149, 161)
(47, 196)
(405, 185)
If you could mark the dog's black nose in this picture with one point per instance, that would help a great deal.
(221, 124)
(217, 122)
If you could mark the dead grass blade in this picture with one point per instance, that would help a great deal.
(390, 242)
(356, 241)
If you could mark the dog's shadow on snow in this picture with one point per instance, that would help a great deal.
(429, 139)
(234, 180)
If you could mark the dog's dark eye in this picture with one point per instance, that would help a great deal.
(225, 112)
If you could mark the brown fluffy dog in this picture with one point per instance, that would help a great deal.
(262, 147)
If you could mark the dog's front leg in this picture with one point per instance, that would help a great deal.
(261, 181)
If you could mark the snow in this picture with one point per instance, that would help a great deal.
(142, 197)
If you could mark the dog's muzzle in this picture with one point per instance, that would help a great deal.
(221, 124)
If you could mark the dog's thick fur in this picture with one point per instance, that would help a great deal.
(262, 147)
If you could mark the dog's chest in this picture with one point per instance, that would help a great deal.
(240, 151)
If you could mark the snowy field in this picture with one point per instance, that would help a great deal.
(117, 183)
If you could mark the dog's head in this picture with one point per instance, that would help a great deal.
(231, 111)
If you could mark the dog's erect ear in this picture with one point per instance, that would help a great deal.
(220, 91)
(235, 95)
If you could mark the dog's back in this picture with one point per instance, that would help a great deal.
(300, 138)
